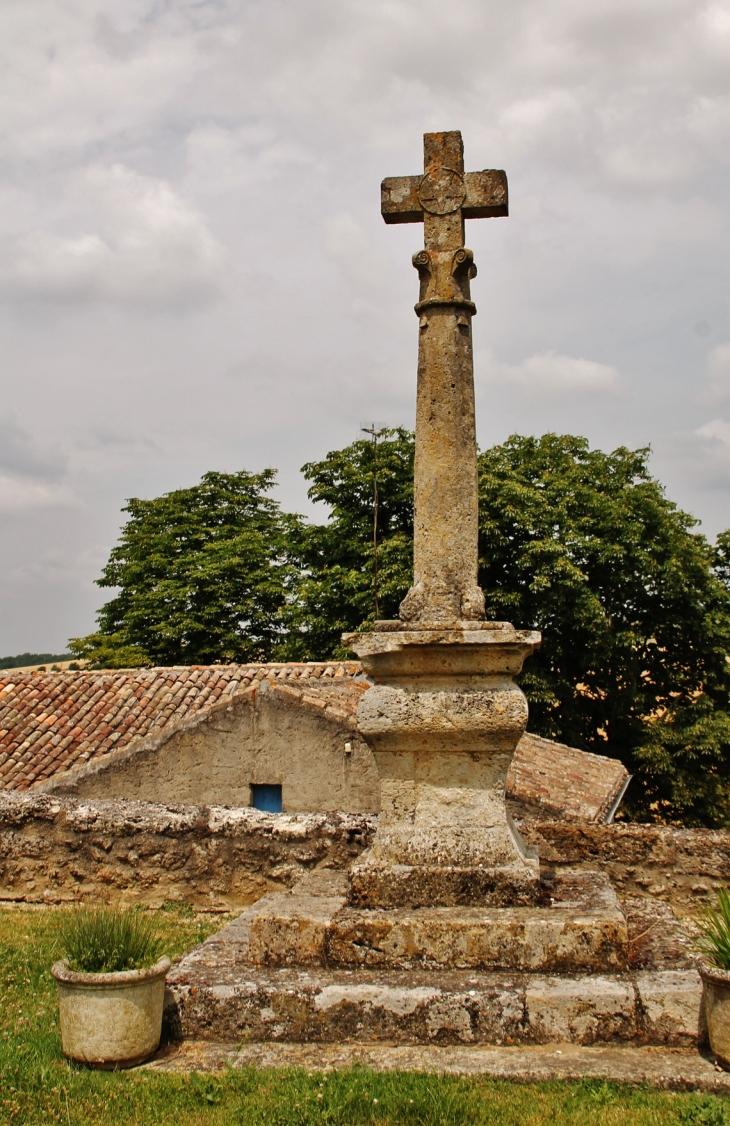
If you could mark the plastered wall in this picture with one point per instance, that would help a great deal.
(260, 736)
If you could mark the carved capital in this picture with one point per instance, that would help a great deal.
(462, 266)
(445, 277)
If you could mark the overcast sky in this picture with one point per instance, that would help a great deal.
(194, 273)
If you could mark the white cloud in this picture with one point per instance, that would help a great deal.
(137, 140)
(18, 494)
(694, 463)
(221, 159)
(717, 431)
(718, 374)
(549, 373)
(150, 246)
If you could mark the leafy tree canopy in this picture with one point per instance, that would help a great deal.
(201, 574)
(634, 608)
(633, 604)
(336, 590)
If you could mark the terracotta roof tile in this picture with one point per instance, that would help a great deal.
(50, 722)
(567, 783)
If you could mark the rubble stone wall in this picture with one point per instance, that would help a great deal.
(64, 850)
(683, 867)
(58, 848)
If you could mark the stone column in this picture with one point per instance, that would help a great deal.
(446, 502)
(446, 514)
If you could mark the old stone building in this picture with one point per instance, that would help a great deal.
(214, 736)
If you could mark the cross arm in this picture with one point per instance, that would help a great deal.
(399, 202)
(486, 194)
(485, 197)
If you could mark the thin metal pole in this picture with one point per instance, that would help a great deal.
(374, 430)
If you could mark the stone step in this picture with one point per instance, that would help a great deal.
(579, 929)
(668, 1069)
(221, 992)
(221, 999)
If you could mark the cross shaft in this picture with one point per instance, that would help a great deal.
(445, 546)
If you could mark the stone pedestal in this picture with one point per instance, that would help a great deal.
(443, 721)
(304, 967)
(579, 928)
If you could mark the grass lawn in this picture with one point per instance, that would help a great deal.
(37, 1085)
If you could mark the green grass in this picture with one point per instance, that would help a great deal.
(38, 1086)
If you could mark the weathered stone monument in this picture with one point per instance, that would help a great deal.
(445, 716)
(445, 930)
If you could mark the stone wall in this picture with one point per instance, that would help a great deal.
(266, 734)
(63, 850)
(56, 849)
(683, 867)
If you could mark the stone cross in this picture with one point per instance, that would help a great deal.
(445, 548)
(444, 715)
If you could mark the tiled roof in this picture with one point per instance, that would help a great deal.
(569, 784)
(50, 722)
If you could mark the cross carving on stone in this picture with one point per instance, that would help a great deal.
(445, 586)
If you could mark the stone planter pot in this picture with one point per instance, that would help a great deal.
(716, 997)
(111, 1020)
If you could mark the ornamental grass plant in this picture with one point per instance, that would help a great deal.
(714, 927)
(106, 940)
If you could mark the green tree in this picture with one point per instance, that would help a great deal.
(335, 591)
(633, 604)
(635, 612)
(201, 577)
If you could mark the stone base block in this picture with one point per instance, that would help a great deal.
(405, 885)
(421, 1007)
(581, 929)
(218, 993)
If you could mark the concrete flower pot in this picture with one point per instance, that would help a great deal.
(111, 1020)
(716, 996)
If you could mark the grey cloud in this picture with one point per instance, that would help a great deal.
(718, 374)
(702, 457)
(194, 273)
(21, 455)
(552, 374)
(150, 247)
